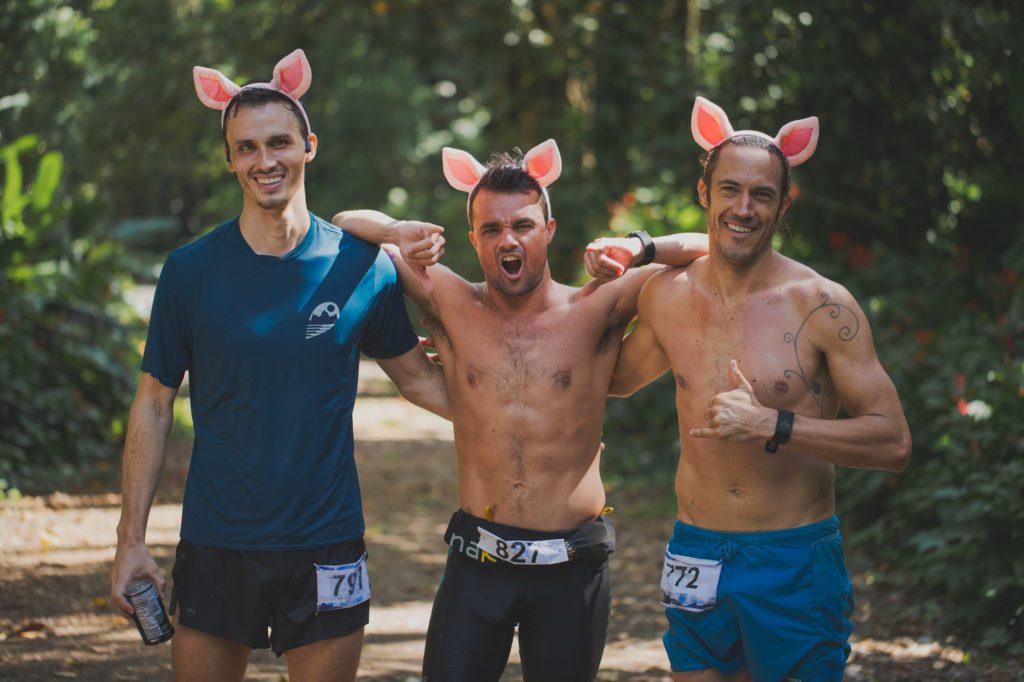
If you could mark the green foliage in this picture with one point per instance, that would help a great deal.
(950, 330)
(66, 342)
(7, 492)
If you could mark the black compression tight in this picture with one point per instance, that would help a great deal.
(562, 612)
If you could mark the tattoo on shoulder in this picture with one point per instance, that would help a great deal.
(848, 330)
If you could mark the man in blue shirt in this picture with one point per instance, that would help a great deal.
(268, 314)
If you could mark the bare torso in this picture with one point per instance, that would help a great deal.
(771, 334)
(528, 391)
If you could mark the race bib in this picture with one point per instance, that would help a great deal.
(688, 583)
(341, 587)
(524, 552)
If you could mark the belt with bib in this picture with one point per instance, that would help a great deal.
(492, 543)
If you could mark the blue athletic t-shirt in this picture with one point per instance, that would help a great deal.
(272, 346)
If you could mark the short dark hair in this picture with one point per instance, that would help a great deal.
(505, 173)
(255, 97)
(710, 160)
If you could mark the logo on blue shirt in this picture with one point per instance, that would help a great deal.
(324, 317)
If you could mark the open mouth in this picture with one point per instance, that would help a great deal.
(512, 265)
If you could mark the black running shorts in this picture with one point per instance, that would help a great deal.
(238, 595)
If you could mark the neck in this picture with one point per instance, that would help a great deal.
(275, 232)
(741, 279)
(537, 300)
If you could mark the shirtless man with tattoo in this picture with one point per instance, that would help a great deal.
(764, 352)
(528, 362)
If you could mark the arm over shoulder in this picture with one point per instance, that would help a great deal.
(414, 247)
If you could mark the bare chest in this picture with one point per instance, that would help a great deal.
(769, 339)
(554, 354)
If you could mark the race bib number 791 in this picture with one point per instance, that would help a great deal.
(342, 587)
(688, 583)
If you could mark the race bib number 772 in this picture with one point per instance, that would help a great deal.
(688, 583)
(343, 586)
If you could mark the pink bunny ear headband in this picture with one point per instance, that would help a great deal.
(292, 77)
(710, 126)
(463, 172)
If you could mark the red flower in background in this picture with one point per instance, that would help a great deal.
(861, 257)
(961, 406)
(838, 241)
(923, 335)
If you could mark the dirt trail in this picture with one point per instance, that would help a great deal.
(56, 552)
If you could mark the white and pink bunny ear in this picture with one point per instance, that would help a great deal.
(213, 87)
(544, 163)
(293, 75)
(798, 139)
(460, 169)
(709, 124)
(710, 127)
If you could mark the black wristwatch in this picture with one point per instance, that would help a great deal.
(783, 430)
(648, 244)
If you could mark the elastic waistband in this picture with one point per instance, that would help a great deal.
(592, 540)
(809, 534)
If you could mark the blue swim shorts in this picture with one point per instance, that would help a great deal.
(777, 603)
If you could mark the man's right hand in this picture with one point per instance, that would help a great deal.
(131, 562)
(421, 245)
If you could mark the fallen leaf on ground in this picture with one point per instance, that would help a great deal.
(48, 539)
(32, 630)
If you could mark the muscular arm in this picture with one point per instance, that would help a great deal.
(419, 245)
(419, 380)
(680, 249)
(875, 436)
(149, 422)
(641, 358)
(609, 258)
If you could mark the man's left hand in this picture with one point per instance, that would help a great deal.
(737, 416)
(609, 258)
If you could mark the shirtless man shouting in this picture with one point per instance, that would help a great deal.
(528, 363)
(764, 352)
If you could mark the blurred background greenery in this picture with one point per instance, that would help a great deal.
(912, 201)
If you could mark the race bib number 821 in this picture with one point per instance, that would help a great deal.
(524, 552)
(342, 587)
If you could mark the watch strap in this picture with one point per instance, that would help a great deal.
(648, 246)
(783, 430)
